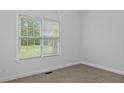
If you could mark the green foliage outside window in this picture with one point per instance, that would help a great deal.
(31, 40)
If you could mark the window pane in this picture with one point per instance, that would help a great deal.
(50, 47)
(37, 41)
(30, 45)
(30, 22)
(24, 26)
(51, 28)
(24, 41)
(36, 27)
(30, 26)
(30, 49)
(30, 41)
(30, 31)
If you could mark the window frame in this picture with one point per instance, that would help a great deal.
(18, 31)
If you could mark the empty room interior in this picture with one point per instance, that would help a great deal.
(62, 46)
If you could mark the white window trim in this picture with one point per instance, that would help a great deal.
(41, 37)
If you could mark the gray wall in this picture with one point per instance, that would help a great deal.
(70, 46)
(103, 38)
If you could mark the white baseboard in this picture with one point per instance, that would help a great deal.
(103, 67)
(5, 79)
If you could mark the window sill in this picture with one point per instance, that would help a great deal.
(51, 55)
(28, 58)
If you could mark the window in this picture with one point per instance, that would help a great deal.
(38, 37)
(50, 37)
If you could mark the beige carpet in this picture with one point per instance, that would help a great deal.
(74, 74)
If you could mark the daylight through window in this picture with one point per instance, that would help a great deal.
(38, 37)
